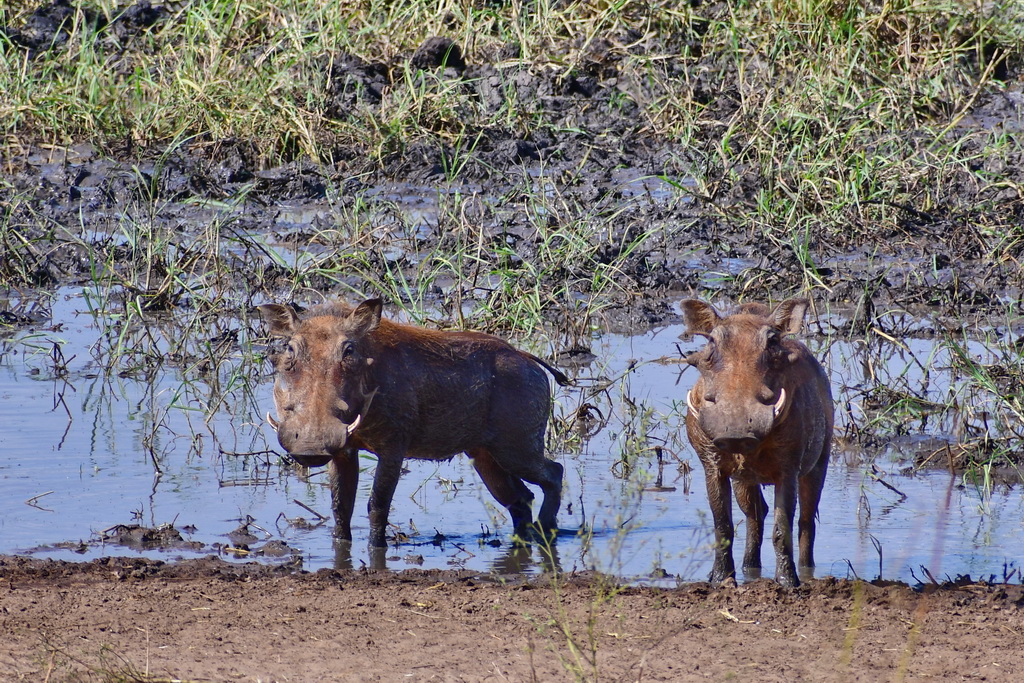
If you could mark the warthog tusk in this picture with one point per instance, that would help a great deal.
(779, 405)
(273, 423)
(355, 423)
(689, 403)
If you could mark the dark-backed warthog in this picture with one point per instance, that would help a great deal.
(761, 413)
(348, 380)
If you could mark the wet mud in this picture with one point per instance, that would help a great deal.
(949, 262)
(241, 544)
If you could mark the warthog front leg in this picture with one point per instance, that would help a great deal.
(754, 507)
(343, 472)
(720, 498)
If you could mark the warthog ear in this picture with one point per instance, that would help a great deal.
(282, 319)
(366, 317)
(789, 315)
(700, 317)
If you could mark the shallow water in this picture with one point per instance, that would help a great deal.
(81, 449)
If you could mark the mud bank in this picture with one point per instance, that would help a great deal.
(205, 620)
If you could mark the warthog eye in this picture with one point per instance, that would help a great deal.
(348, 349)
(774, 349)
(704, 358)
(281, 355)
(701, 358)
(288, 356)
(710, 352)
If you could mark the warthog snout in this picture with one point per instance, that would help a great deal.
(737, 431)
(761, 413)
(313, 445)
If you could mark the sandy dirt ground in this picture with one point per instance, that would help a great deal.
(206, 620)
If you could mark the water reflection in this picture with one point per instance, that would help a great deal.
(137, 425)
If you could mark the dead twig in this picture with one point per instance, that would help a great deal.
(308, 509)
(32, 501)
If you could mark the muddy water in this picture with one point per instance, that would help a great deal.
(84, 450)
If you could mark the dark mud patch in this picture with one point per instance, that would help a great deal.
(51, 25)
(663, 248)
(167, 539)
(1001, 463)
(164, 537)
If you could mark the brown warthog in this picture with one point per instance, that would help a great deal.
(349, 381)
(761, 413)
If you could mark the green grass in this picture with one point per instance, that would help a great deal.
(851, 118)
(799, 74)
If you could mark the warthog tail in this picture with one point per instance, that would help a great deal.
(559, 376)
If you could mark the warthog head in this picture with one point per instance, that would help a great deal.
(742, 391)
(322, 388)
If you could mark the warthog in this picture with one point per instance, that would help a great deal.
(760, 413)
(349, 380)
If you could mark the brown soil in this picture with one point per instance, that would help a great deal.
(206, 620)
